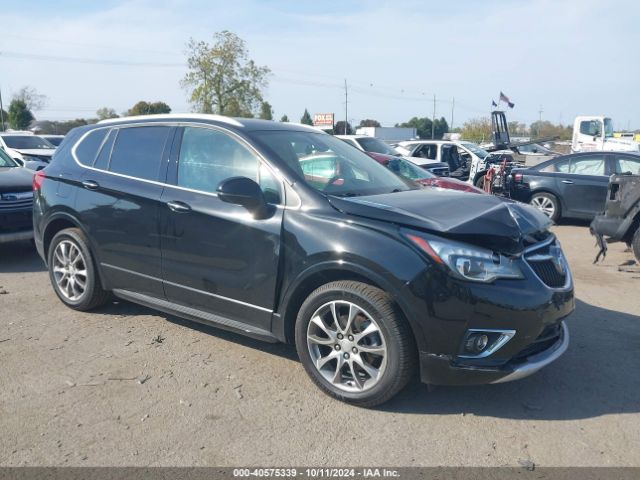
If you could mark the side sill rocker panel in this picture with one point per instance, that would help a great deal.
(196, 315)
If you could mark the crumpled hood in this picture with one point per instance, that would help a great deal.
(485, 220)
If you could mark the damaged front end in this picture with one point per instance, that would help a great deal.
(620, 221)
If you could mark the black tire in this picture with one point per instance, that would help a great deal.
(545, 198)
(395, 333)
(93, 295)
(635, 244)
(480, 181)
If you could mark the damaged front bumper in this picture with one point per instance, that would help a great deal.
(443, 371)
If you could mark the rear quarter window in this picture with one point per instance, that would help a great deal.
(88, 147)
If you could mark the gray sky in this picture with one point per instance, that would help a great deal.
(571, 57)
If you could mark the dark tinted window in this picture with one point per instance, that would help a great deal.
(590, 127)
(102, 161)
(138, 151)
(87, 149)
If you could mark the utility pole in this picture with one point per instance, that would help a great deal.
(453, 104)
(1, 111)
(433, 121)
(540, 114)
(346, 102)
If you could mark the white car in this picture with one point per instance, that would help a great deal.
(26, 147)
(466, 160)
(372, 145)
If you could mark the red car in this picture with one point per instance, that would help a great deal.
(413, 172)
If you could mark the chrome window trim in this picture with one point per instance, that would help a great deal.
(276, 172)
(220, 297)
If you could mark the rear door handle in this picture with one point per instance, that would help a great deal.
(569, 182)
(90, 184)
(178, 207)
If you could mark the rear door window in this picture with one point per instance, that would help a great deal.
(137, 151)
(589, 165)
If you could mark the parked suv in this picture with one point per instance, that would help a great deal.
(236, 223)
(16, 200)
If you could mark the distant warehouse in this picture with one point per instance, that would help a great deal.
(388, 134)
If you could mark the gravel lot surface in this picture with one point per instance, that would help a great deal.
(126, 385)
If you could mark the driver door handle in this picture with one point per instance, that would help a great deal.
(569, 182)
(178, 207)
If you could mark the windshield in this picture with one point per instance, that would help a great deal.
(376, 146)
(26, 142)
(55, 141)
(408, 170)
(475, 149)
(329, 165)
(6, 160)
(608, 127)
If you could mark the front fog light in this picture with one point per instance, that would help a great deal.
(476, 343)
(480, 343)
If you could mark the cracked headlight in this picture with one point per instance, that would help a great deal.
(466, 261)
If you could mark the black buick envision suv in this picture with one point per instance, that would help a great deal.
(284, 233)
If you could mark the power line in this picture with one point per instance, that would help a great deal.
(94, 61)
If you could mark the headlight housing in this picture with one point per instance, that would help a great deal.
(465, 261)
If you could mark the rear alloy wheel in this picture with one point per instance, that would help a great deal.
(354, 343)
(72, 272)
(547, 203)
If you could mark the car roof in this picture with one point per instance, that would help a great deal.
(247, 124)
(355, 137)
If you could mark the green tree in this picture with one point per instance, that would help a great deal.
(284, 119)
(105, 113)
(306, 118)
(222, 72)
(422, 126)
(234, 109)
(339, 129)
(477, 130)
(19, 115)
(31, 98)
(147, 108)
(368, 122)
(266, 112)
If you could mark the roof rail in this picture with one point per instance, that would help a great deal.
(173, 116)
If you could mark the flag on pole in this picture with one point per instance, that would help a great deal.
(504, 98)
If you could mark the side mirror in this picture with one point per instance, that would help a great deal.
(243, 191)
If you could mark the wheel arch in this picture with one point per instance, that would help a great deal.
(318, 275)
(60, 221)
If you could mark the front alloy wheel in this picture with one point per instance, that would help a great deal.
(355, 343)
(346, 346)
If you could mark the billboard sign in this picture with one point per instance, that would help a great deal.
(323, 120)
